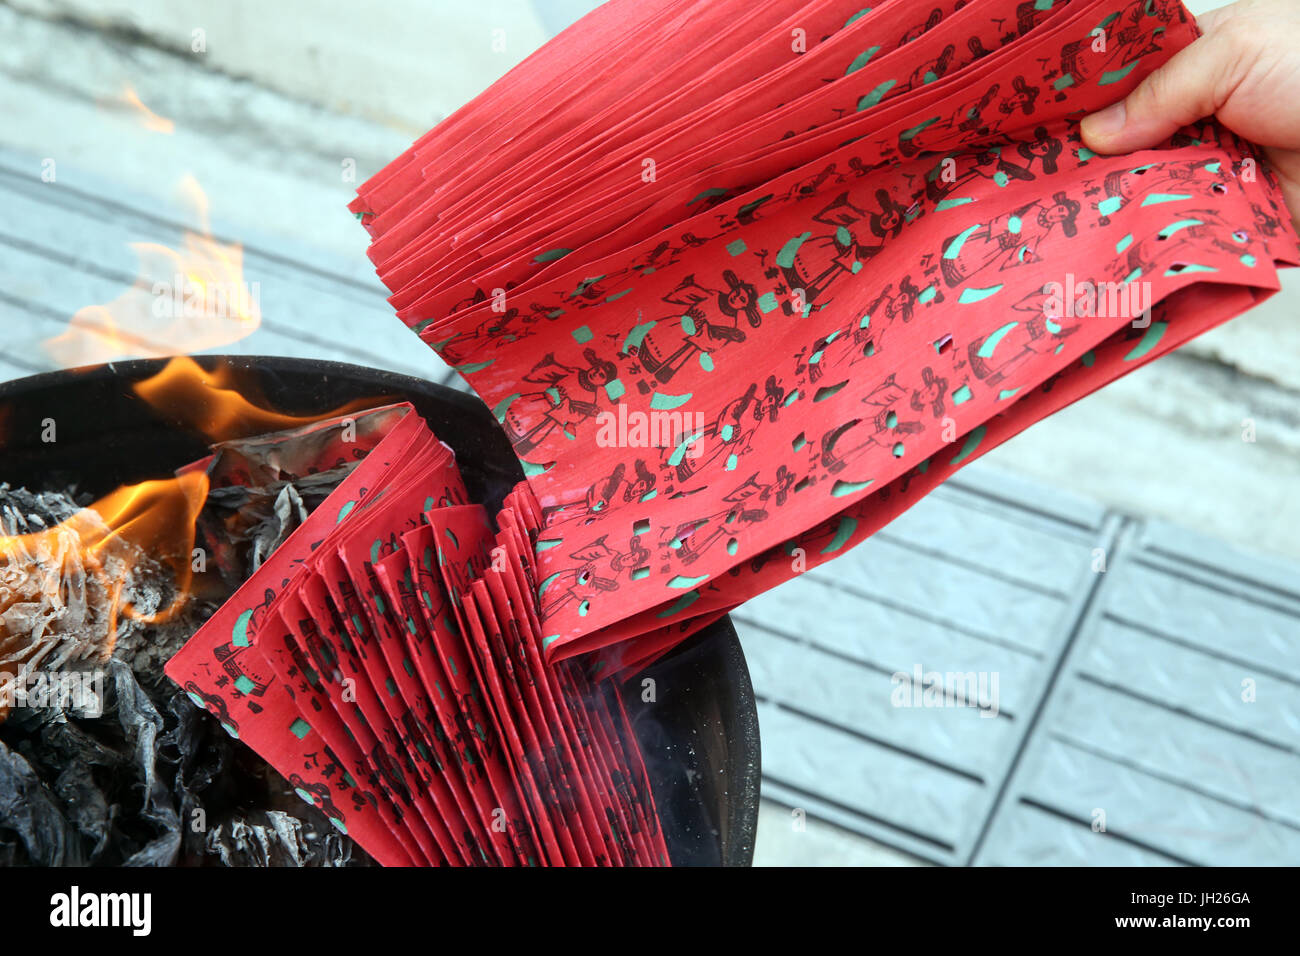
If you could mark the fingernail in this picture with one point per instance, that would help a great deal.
(1105, 122)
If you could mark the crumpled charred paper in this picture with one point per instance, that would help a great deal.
(744, 279)
(263, 487)
(133, 774)
(58, 602)
(127, 788)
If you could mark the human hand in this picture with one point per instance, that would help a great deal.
(1245, 71)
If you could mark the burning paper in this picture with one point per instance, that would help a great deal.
(101, 758)
(758, 277)
(74, 582)
(182, 300)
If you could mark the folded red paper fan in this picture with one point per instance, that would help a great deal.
(386, 660)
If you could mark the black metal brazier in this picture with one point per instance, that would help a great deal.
(701, 749)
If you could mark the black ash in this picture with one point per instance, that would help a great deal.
(135, 773)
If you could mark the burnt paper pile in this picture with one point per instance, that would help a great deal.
(386, 658)
(744, 280)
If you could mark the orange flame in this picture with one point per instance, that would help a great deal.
(159, 518)
(148, 118)
(182, 300)
(156, 517)
(214, 402)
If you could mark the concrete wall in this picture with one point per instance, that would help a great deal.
(403, 62)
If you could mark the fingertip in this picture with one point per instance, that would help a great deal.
(1092, 140)
(1101, 130)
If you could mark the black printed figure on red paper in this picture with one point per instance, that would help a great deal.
(412, 613)
(881, 426)
(570, 399)
(564, 586)
(931, 21)
(811, 264)
(994, 357)
(730, 433)
(694, 539)
(930, 395)
(1022, 98)
(215, 704)
(356, 622)
(621, 486)
(689, 334)
(323, 658)
(1043, 149)
(975, 256)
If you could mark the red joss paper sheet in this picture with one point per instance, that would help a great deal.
(742, 281)
(455, 692)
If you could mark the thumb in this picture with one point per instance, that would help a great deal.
(1182, 91)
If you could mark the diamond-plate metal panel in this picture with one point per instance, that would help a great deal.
(1036, 837)
(1205, 615)
(1173, 733)
(825, 688)
(1186, 678)
(984, 579)
(1150, 737)
(978, 599)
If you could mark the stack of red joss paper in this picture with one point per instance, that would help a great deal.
(832, 252)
